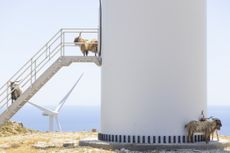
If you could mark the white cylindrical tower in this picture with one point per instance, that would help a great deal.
(153, 69)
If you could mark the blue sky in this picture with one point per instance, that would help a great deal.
(26, 25)
(218, 51)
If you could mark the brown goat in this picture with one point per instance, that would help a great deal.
(86, 45)
(15, 91)
(207, 127)
(203, 118)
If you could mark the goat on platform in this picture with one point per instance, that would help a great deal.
(86, 45)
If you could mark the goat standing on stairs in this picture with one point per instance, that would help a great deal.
(15, 90)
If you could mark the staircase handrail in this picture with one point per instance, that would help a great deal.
(32, 67)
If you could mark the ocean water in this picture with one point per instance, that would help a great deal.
(223, 113)
(72, 118)
(85, 118)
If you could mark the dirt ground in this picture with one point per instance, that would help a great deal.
(15, 138)
(66, 142)
(46, 142)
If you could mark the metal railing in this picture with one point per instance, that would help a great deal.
(50, 52)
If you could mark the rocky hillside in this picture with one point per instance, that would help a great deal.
(13, 128)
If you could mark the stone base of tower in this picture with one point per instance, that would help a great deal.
(222, 144)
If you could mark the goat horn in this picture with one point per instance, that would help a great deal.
(211, 117)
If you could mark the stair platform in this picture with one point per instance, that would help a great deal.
(82, 59)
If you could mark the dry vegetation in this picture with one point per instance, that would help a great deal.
(14, 138)
(17, 139)
(24, 143)
(13, 128)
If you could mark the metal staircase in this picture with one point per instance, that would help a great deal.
(41, 67)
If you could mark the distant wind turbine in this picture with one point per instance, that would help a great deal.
(53, 114)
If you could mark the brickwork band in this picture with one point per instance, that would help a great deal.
(149, 139)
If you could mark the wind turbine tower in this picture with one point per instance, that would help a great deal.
(53, 114)
(153, 69)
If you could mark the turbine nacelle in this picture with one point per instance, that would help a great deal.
(49, 114)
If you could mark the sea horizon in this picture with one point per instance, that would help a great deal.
(85, 118)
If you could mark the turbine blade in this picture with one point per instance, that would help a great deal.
(62, 102)
(46, 110)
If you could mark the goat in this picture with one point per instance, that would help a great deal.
(15, 91)
(83, 45)
(86, 45)
(207, 127)
(203, 118)
(219, 125)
